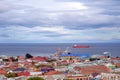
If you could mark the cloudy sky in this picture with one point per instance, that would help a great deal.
(59, 21)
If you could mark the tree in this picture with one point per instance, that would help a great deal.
(33, 63)
(9, 75)
(93, 59)
(35, 78)
(28, 55)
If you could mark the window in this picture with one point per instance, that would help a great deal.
(80, 78)
(77, 79)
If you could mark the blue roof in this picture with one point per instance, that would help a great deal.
(19, 69)
(76, 54)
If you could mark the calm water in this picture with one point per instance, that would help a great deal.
(45, 49)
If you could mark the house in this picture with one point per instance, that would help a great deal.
(77, 77)
(52, 72)
(19, 70)
(87, 70)
(3, 72)
(110, 76)
(26, 73)
(35, 73)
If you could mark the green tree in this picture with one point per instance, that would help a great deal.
(9, 75)
(33, 63)
(35, 78)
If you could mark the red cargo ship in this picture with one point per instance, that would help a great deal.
(80, 46)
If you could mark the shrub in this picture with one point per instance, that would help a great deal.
(35, 78)
(9, 75)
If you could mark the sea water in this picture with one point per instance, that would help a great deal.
(46, 49)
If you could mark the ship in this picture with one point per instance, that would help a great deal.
(80, 46)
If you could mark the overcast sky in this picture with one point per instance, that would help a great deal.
(59, 21)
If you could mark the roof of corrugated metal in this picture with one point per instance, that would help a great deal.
(76, 54)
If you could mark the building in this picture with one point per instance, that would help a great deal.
(94, 69)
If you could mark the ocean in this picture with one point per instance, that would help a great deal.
(46, 49)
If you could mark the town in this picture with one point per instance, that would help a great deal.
(60, 66)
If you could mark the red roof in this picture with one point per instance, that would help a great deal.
(25, 63)
(94, 69)
(21, 57)
(77, 68)
(115, 58)
(40, 58)
(23, 73)
(118, 65)
(3, 72)
(52, 72)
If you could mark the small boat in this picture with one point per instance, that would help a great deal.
(80, 46)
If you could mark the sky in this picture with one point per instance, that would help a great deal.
(59, 21)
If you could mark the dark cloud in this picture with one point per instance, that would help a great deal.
(4, 35)
(20, 19)
(58, 35)
(110, 6)
(105, 13)
(93, 21)
(48, 32)
(100, 13)
(6, 6)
